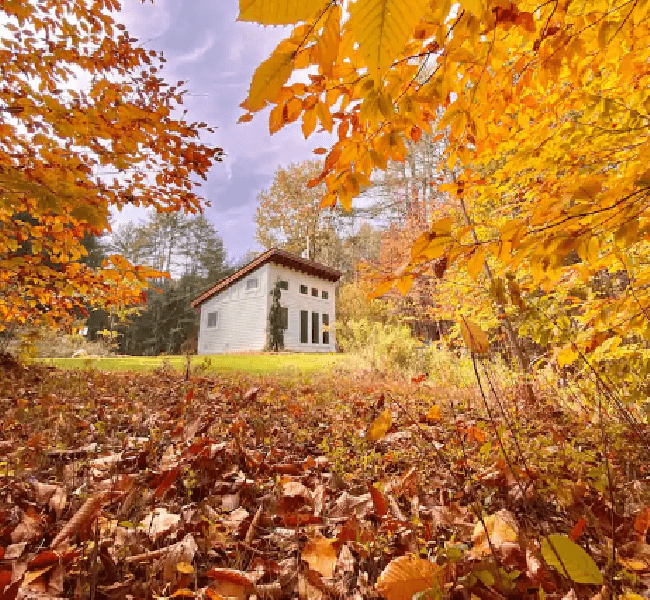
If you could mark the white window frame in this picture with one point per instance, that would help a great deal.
(216, 319)
(252, 288)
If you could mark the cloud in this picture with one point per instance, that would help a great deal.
(206, 46)
(197, 53)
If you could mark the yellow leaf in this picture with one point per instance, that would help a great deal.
(382, 288)
(183, 593)
(382, 28)
(185, 567)
(434, 413)
(567, 356)
(294, 108)
(473, 6)
(328, 44)
(269, 78)
(501, 529)
(443, 227)
(404, 284)
(275, 118)
(380, 426)
(421, 243)
(435, 249)
(573, 561)
(475, 338)
(476, 262)
(320, 554)
(405, 576)
(634, 564)
(280, 12)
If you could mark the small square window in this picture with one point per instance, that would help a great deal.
(314, 292)
(284, 285)
(213, 318)
(325, 295)
(252, 283)
(303, 289)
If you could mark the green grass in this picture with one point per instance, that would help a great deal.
(220, 363)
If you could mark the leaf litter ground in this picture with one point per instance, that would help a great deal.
(149, 485)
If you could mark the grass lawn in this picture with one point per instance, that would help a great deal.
(244, 363)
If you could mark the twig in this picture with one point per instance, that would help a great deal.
(146, 556)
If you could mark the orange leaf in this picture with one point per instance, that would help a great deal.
(642, 522)
(405, 576)
(320, 151)
(320, 554)
(380, 426)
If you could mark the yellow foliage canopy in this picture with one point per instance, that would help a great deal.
(545, 111)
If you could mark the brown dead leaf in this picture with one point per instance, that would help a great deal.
(159, 522)
(347, 504)
(295, 495)
(320, 554)
(14, 551)
(30, 529)
(180, 553)
(407, 575)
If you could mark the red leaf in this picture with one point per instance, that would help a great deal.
(576, 532)
(169, 478)
(381, 505)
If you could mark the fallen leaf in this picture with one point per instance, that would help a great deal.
(159, 522)
(380, 426)
(320, 554)
(570, 559)
(501, 528)
(407, 575)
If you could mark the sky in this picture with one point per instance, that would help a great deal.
(205, 45)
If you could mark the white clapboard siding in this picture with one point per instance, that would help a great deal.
(294, 301)
(242, 317)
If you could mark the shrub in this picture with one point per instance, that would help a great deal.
(384, 347)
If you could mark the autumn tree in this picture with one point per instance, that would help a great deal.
(67, 154)
(546, 112)
(289, 214)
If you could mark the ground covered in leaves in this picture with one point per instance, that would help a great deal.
(152, 485)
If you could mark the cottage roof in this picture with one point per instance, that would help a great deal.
(274, 255)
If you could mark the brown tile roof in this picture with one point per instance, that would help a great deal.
(274, 255)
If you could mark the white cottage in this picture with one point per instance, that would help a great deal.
(234, 312)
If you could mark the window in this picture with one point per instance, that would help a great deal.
(284, 285)
(314, 292)
(314, 328)
(325, 295)
(304, 326)
(303, 289)
(252, 283)
(284, 317)
(326, 334)
(213, 317)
